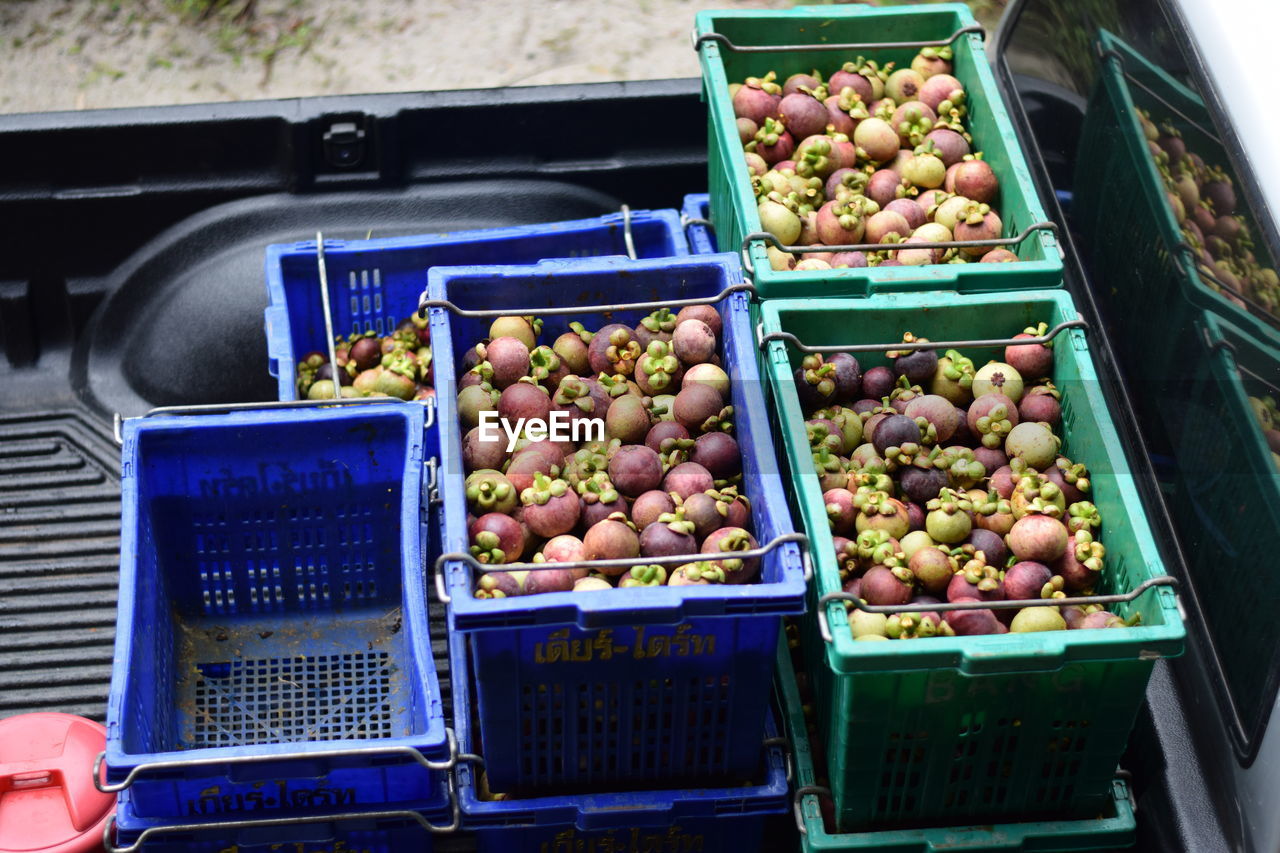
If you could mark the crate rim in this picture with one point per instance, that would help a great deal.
(1052, 649)
(715, 79)
(277, 325)
(660, 605)
(121, 762)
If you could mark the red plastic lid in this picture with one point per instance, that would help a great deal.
(48, 801)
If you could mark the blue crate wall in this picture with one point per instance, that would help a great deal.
(719, 818)
(374, 284)
(275, 605)
(681, 669)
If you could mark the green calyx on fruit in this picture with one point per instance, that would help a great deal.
(993, 504)
(1082, 517)
(543, 362)
(874, 502)
(874, 546)
(677, 523)
(963, 470)
(994, 426)
(659, 364)
(573, 391)
(1039, 331)
(615, 385)
(652, 575)
(660, 321)
(596, 489)
(704, 571)
(622, 352)
(485, 548)
(1074, 473)
(543, 489)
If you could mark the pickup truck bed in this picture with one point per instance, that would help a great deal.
(132, 278)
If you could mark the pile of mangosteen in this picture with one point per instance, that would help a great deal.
(1203, 200)
(944, 481)
(649, 467)
(868, 155)
(369, 365)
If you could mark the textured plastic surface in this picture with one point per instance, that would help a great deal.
(702, 239)
(978, 727)
(387, 835)
(271, 602)
(1117, 180)
(733, 207)
(716, 819)
(1113, 829)
(48, 803)
(375, 284)
(681, 669)
(1231, 513)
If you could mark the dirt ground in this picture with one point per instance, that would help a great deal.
(85, 54)
(59, 55)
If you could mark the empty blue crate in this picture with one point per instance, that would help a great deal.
(696, 216)
(383, 831)
(374, 284)
(631, 686)
(271, 647)
(718, 819)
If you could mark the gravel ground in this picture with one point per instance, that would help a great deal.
(59, 55)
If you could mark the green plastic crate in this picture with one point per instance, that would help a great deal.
(1114, 827)
(976, 728)
(1119, 204)
(1229, 509)
(733, 207)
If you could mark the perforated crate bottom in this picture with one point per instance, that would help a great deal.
(293, 678)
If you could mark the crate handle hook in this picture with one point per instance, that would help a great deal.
(424, 303)
(620, 562)
(824, 627)
(787, 337)
(724, 42)
(349, 752)
(994, 242)
(797, 805)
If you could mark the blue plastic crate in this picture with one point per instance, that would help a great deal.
(696, 216)
(374, 284)
(685, 670)
(719, 819)
(272, 625)
(384, 831)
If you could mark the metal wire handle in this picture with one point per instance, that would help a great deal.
(455, 823)
(623, 562)
(328, 314)
(1112, 53)
(789, 338)
(348, 752)
(424, 303)
(889, 247)
(687, 222)
(724, 42)
(627, 237)
(797, 804)
(824, 627)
